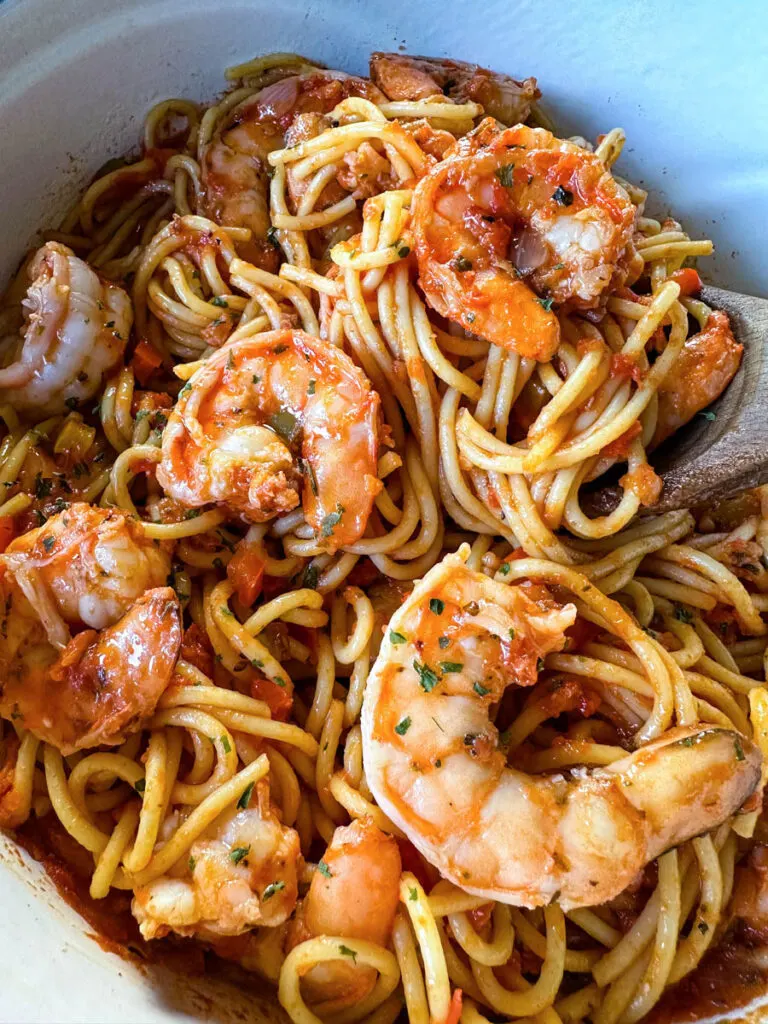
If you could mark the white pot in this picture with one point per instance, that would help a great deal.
(686, 80)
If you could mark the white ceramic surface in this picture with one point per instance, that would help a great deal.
(685, 79)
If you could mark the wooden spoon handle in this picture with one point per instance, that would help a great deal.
(709, 459)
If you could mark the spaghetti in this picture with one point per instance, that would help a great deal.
(281, 250)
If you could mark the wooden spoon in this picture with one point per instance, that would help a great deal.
(714, 456)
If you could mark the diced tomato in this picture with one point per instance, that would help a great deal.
(580, 633)
(146, 360)
(625, 367)
(689, 281)
(278, 698)
(197, 649)
(480, 916)
(246, 573)
(454, 1010)
(7, 531)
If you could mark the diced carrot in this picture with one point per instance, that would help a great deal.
(146, 360)
(689, 281)
(279, 698)
(246, 573)
(7, 531)
(454, 1010)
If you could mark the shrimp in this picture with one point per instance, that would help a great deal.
(261, 413)
(432, 758)
(515, 221)
(703, 370)
(235, 171)
(89, 568)
(241, 872)
(354, 896)
(402, 77)
(75, 330)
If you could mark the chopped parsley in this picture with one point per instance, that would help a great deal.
(483, 691)
(226, 745)
(255, 378)
(413, 894)
(43, 485)
(284, 424)
(272, 237)
(311, 387)
(331, 521)
(403, 251)
(563, 196)
(683, 615)
(506, 175)
(403, 726)
(48, 543)
(739, 749)
(239, 853)
(324, 870)
(217, 300)
(140, 786)
(272, 890)
(443, 642)
(428, 678)
(397, 638)
(545, 303)
(436, 605)
(504, 568)
(191, 863)
(708, 415)
(462, 264)
(451, 666)
(346, 951)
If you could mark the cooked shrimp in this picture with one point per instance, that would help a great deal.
(94, 568)
(703, 370)
(241, 872)
(515, 221)
(264, 411)
(402, 77)
(234, 164)
(432, 757)
(76, 327)
(354, 895)
(85, 567)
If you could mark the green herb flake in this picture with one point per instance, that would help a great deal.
(311, 387)
(511, 633)
(506, 175)
(545, 304)
(436, 605)
(272, 890)
(539, 664)
(346, 951)
(272, 237)
(739, 749)
(397, 638)
(403, 251)
(226, 745)
(239, 853)
(443, 642)
(284, 424)
(140, 785)
(331, 521)
(428, 678)
(451, 666)
(481, 690)
(255, 378)
(217, 300)
(403, 726)
(708, 415)
(191, 863)
(462, 264)
(48, 543)
(324, 870)
(688, 741)
(413, 894)
(683, 614)
(504, 568)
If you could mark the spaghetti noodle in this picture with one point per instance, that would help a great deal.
(301, 423)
